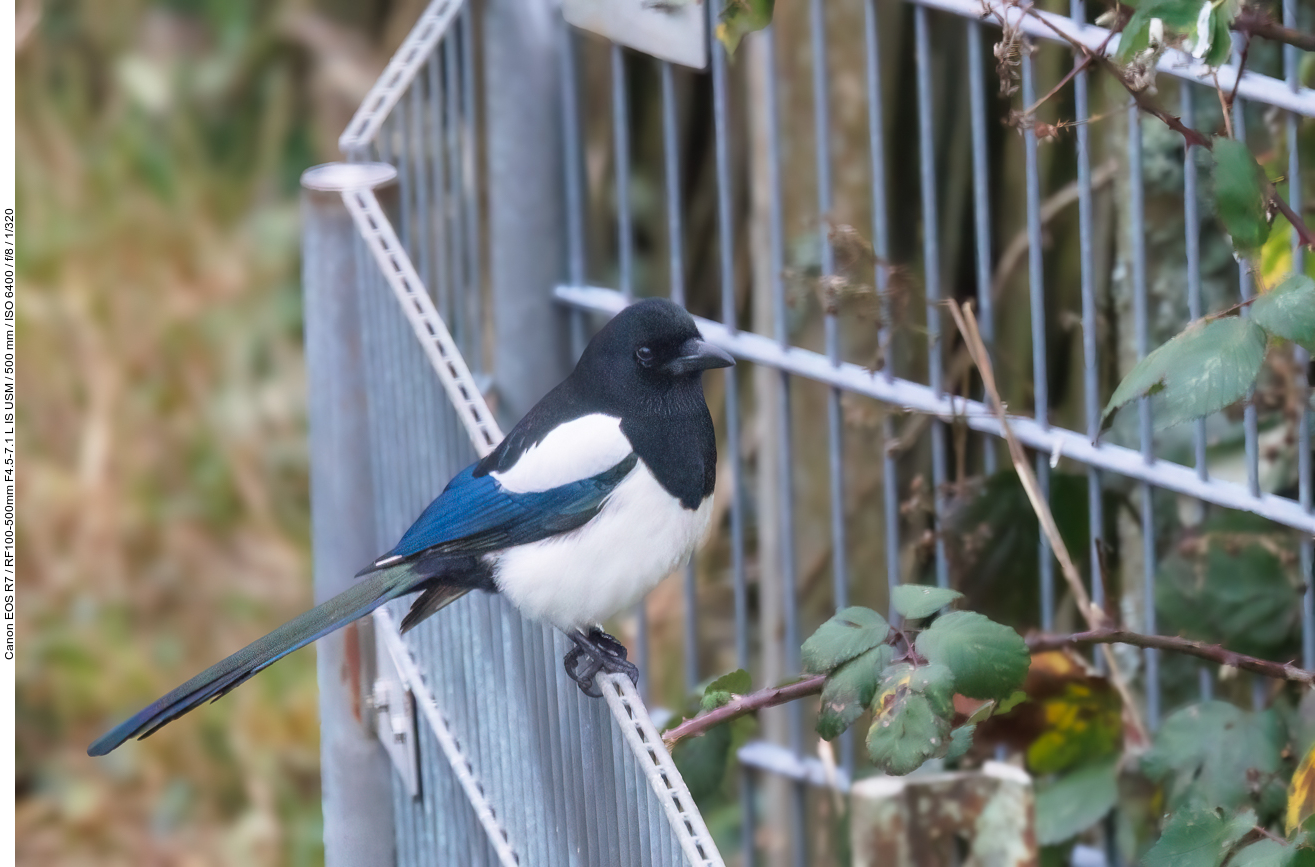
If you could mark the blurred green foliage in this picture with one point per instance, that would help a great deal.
(164, 501)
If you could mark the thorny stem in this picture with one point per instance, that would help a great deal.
(1253, 21)
(765, 698)
(1187, 647)
(745, 704)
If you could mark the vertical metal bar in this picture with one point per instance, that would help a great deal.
(785, 469)
(525, 196)
(1037, 303)
(441, 290)
(1090, 361)
(981, 206)
(457, 242)
(881, 247)
(1192, 219)
(1192, 223)
(621, 155)
(835, 417)
(401, 128)
(932, 268)
(425, 251)
(676, 264)
(473, 345)
(1141, 336)
(1291, 68)
(356, 776)
(1246, 289)
(575, 184)
(625, 255)
(726, 242)
(726, 246)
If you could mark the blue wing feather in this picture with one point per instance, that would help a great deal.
(475, 514)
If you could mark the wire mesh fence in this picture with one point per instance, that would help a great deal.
(798, 467)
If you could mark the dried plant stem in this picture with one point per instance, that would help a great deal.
(967, 324)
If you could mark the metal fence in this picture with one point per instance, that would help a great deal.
(479, 660)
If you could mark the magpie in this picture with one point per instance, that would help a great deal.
(603, 489)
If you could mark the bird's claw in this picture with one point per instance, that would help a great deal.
(603, 653)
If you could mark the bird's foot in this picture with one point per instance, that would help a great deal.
(599, 652)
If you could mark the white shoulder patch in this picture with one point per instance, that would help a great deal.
(578, 449)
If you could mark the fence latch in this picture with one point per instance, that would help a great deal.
(395, 715)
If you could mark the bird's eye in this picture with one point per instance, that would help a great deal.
(645, 355)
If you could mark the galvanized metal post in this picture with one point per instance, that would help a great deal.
(526, 199)
(357, 791)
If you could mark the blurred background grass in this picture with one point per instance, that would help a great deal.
(162, 422)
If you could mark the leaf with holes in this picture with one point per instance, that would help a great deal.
(1288, 311)
(989, 660)
(912, 713)
(849, 690)
(1197, 837)
(740, 18)
(1240, 195)
(1206, 367)
(1187, 760)
(1076, 801)
(850, 632)
(916, 601)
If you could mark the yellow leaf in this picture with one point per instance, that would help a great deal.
(1301, 792)
(1276, 254)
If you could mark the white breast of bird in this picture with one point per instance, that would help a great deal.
(580, 579)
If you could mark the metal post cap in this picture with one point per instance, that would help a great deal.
(342, 177)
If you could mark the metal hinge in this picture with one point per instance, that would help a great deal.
(395, 715)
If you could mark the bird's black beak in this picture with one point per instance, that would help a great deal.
(696, 355)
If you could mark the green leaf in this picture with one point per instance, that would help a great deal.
(740, 18)
(1076, 801)
(726, 687)
(1013, 701)
(961, 741)
(1240, 195)
(1194, 837)
(1221, 42)
(1179, 18)
(702, 760)
(912, 717)
(1238, 585)
(850, 632)
(989, 660)
(1288, 311)
(849, 690)
(916, 601)
(1265, 853)
(1187, 759)
(1203, 369)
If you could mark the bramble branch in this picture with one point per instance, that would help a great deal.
(1254, 21)
(1146, 103)
(751, 703)
(1211, 652)
(1037, 643)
